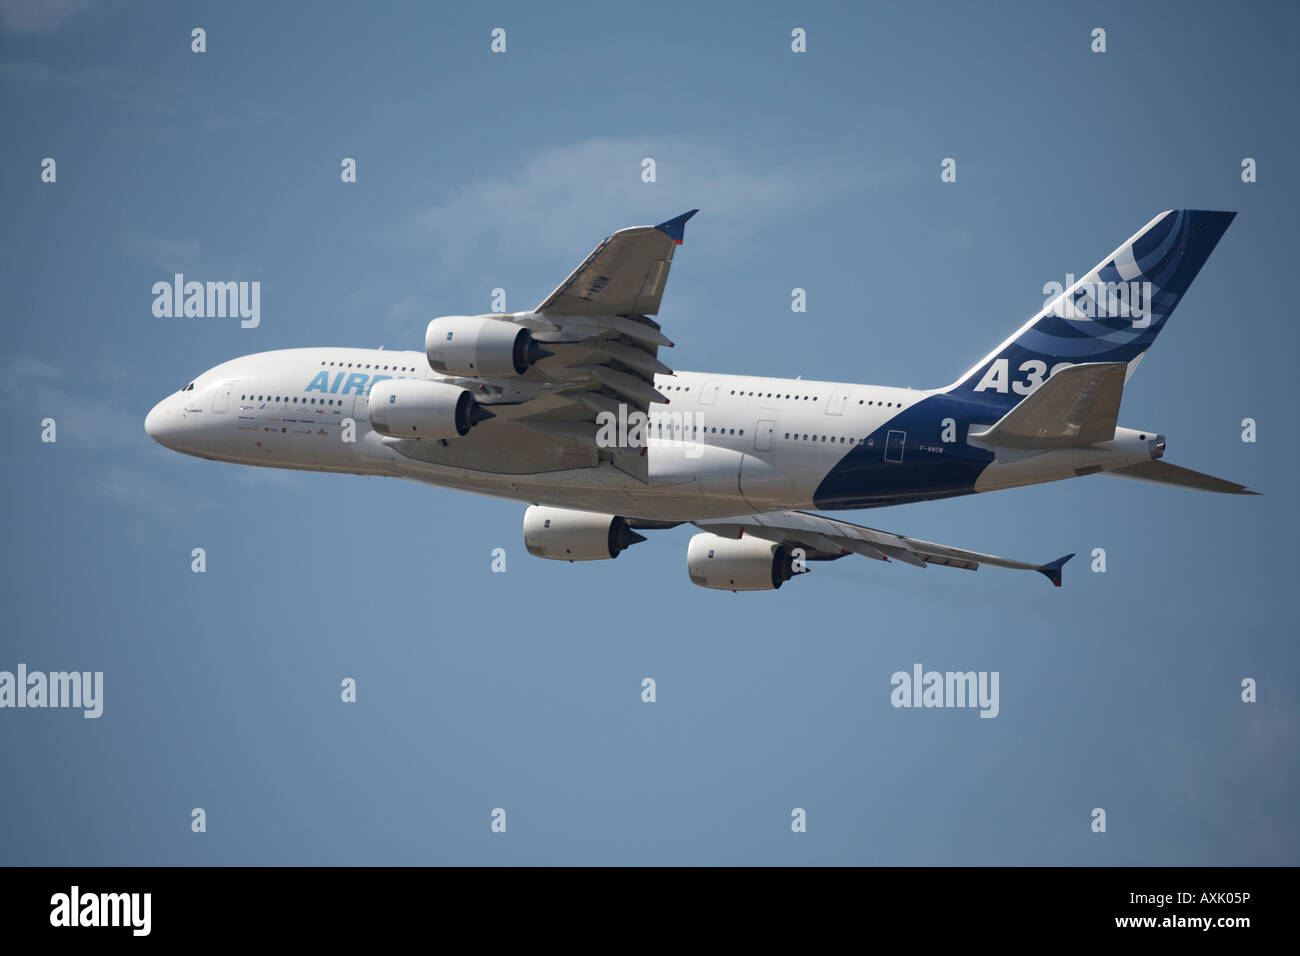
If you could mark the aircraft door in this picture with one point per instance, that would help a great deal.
(221, 397)
(894, 446)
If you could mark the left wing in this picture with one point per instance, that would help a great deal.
(825, 539)
(604, 348)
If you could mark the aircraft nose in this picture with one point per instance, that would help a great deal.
(161, 425)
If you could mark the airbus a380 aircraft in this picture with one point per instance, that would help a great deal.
(570, 408)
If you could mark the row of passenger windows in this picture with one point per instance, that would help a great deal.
(792, 436)
(830, 438)
(803, 398)
(277, 398)
(696, 428)
(797, 398)
(383, 368)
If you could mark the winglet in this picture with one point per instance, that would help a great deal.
(1052, 570)
(676, 228)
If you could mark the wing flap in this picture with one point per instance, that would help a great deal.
(630, 385)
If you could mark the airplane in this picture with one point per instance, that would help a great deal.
(570, 408)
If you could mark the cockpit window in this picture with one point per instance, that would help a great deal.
(188, 388)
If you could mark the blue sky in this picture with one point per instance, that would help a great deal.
(522, 690)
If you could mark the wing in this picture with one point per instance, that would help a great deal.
(604, 348)
(601, 356)
(825, 539)
(625, 275)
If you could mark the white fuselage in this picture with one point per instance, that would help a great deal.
(725, 445)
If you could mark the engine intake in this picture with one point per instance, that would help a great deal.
(738, 564)
(412, 408)
(565, 535)
(477, 346)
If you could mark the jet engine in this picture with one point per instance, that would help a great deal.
(738, 564)
(565, 535)
(414, 408)
(478, 346)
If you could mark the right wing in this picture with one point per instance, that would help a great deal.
(825, 539)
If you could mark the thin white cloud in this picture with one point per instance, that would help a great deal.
(551, 208)
(171, 254)
(98, 432)
(565, 199)
(40, 389)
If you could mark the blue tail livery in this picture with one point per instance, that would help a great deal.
(1112, 314)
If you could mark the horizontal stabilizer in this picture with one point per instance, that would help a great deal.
(1164, 473)
(1077, 406)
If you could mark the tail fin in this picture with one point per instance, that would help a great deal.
(1112, 314)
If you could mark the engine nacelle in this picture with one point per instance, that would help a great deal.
(738, 564)
(565, 535)
(413, 408)
(478, 346)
